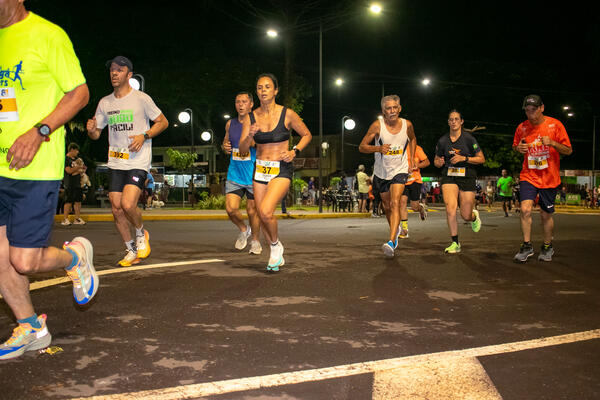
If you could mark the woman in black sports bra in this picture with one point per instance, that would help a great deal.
(269, 127)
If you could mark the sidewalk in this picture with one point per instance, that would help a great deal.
(177, 213)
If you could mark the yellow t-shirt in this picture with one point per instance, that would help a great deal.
(37, 67)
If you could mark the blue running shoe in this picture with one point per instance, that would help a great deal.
(26, 338)
(83, 275)
(389, 247)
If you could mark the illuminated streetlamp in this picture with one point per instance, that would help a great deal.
(375, 8)
(184, 117)
(349, 124)
(272, 33)
(137, 82)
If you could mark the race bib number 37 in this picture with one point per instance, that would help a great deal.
(266, 170)
(8, 105)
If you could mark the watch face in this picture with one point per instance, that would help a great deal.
(44, 129)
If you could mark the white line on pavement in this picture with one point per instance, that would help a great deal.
(289, 378)
(64, 279)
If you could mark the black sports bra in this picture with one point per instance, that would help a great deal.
(277, 135)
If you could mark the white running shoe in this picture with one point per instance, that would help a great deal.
(65, 222)
(255, 247)
(129, 259)
(276, 258)
(242, 239)
(78, 221)
(422, 211)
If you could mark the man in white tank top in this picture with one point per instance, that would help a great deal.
(392, 137)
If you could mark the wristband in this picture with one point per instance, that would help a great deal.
(146, 136)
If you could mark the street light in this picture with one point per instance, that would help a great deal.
(207, 135)
(339, 82)
(272, 33)
(349, 124)
(226, 116)
(184, 117)
(137, 82)
(375, 8)
(426, 82)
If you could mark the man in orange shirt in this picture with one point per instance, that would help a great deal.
(412, 192)
(541, 140)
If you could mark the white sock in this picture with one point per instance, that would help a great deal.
(139, 232)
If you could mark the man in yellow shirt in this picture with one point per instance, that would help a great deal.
(41, 88)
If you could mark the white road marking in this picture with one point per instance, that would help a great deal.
(65, 279)
(459, 377)
(289, 378)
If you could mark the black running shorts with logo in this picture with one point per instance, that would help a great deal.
(413, 191)
(383, 185)
(27, 210)
(73, 194)
(464, 183)
(547, 196)
(118, 178)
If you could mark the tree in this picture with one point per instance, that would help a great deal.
(181, 162)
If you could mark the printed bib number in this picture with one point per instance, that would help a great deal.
(540, 162)
(457, 171)
(236, 155)
(8, 105)
(394, 152)
(118, 153)
(266, 170)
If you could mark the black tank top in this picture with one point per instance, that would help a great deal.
(277, 135)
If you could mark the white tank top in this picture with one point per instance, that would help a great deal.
(395, 161)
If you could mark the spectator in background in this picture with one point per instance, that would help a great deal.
(563, 195)
(164, 192)
(192, 193)
(363, 188)
(489, 194)
(311, 190)
(149, 189)
(72, 181)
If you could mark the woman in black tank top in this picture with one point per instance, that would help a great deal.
(269, 127)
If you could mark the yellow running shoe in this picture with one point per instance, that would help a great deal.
(142, 243)
(129, 259)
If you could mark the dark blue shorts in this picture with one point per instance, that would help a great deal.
(27, 210)
(383, 185)
(547, 196)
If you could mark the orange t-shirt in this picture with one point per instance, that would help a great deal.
(415, 176)
(541, 164)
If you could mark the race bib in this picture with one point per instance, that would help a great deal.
(394, 151)
(237, 156)
(266, 170)
(457, 171)
(8, 105)
(537, 162)
(118, 153)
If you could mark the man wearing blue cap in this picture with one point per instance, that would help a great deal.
(128, 113)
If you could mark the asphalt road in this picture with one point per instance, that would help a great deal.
(338, 322)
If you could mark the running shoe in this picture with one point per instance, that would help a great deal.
(453, 248)
(402, 233)
(423, 211)
(78, 221)
(276, 258)
(83, 275)
(546, 252)
(389, 247)
(476, 224)
(525, 251)
(255, 247)
(142, 244)
(65, 222)
(26, 338)
(242, 239)
(129, 259)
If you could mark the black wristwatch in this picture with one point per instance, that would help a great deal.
(146, 136)
(296, 150)
(44, 131)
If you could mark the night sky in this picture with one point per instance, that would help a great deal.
(482, 57)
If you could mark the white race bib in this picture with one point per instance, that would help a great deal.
(537, 162)
(237, 156)
(456, 171)
(118, 153)
(266, 170)
(8, 105)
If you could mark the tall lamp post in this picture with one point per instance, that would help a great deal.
(209, 136)
(184, 117)
(349, 124)
(594, 153)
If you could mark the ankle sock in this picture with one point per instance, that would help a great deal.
(139, 232)
(455, 238)
(33, 321)
(129, 245)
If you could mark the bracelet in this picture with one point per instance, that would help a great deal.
(466, 159)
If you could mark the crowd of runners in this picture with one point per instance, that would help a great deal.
(46, 88)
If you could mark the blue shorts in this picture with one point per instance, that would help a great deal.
(27, 210)
(383, 185)
(547, 196)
